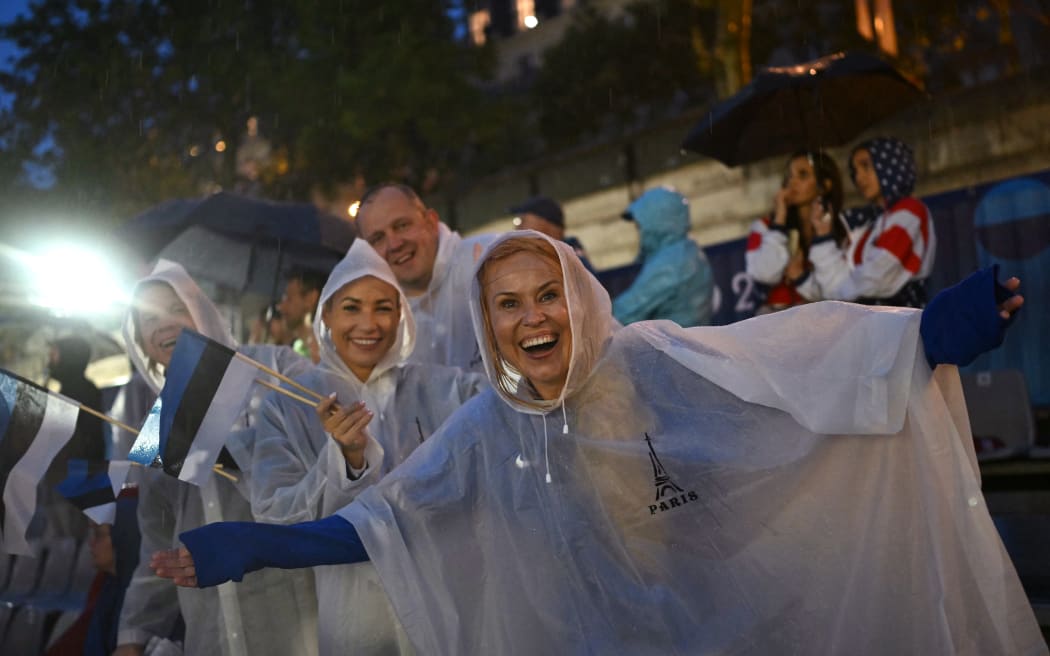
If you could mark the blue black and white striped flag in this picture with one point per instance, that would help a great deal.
(35, 425)
(206, 388)
(94, 485)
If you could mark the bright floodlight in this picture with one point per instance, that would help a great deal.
(74, 280)
(531, 22)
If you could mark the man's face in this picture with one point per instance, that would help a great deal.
(297, 303)
(405, 234)
(530, 221)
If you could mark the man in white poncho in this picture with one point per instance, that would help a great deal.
(433, 266)
(365, 332)
(229, 620)
(797, 483)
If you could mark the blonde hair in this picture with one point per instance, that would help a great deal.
(505, 379)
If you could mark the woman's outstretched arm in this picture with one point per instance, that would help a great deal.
(226, 551)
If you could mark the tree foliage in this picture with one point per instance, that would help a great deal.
(611, 73)
(124, 101)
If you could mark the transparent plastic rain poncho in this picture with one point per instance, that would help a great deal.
(230, 619)
(442, 314)
(799, 483)
(300, 473)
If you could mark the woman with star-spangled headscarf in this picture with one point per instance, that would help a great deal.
(891, 251)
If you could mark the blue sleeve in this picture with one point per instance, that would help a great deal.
(226, 551)
(962, 321)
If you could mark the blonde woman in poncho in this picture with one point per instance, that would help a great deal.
(655, 489)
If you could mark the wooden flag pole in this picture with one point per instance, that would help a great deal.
(103, 417)
(289, 394)
(279, 376)
(218, 469)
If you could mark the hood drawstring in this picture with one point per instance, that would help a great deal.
(546, 453)
(564, 431)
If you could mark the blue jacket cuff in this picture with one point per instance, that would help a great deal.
(226, 551)
(962, 321)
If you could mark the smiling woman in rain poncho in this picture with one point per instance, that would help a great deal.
(304, 469)
(796, 483)
(233, 619)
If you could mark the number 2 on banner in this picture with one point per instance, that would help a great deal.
(744, 288)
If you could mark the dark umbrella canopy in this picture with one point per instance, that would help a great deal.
(237, 217)
(237, 241)
(818, 104)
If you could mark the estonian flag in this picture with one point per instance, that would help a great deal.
(34, 427)
(93, 486)
(206, 388)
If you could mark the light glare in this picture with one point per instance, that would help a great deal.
(73, 280)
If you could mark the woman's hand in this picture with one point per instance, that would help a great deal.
(796, 266)
(820, 218)
(347, 427)
(780, 208)
(1014, 303)
(175, 564)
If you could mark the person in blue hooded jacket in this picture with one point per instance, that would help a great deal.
(675, 281)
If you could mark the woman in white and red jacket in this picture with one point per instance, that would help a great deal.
(891, 251)
(779, 243)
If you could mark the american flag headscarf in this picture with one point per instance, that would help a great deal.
(894, 164)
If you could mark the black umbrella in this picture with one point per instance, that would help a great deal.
(817, 104)
(239, 242)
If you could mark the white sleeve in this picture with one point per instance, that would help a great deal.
(888, 264)
(808, 287)
(341, 488)
(830, 270)
(767, 253)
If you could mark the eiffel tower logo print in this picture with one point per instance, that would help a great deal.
(661, 479)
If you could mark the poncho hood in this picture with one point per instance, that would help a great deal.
(590, 318)
(662, 216)
(894, 164)
(361, 261)
(206, 317)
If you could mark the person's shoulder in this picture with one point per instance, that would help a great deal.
(477, 418)
(762, 224)
(432, 375)
(466, 244)
(911, 205)
(285, 359)
(265, 352)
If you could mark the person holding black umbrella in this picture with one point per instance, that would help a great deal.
(891, 251)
